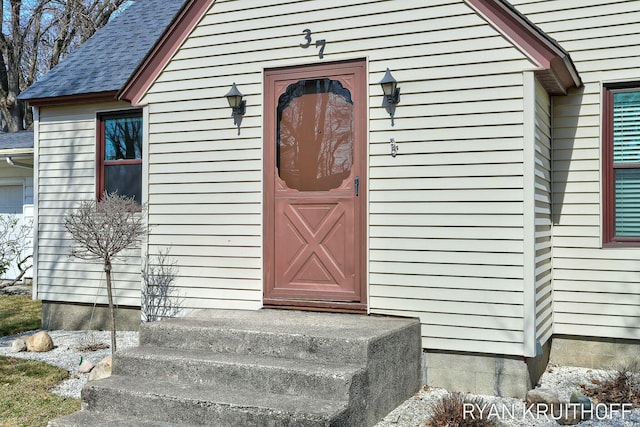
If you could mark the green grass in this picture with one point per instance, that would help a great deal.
(24, 396)
(18, 314)
(25, 399)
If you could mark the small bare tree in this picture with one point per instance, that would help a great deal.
(159, 293)
(101, 231)
(15, 240)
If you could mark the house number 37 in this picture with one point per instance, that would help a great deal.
(308, 41)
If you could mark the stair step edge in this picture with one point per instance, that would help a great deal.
(214, 394)
(86, 418)
(169, 355)
(197, 404)
(288, 322)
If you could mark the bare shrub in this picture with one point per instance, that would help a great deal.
(459, 410)
(15, 242)
(90, 342)
(103, 229)
(622, 385)
(159, 294)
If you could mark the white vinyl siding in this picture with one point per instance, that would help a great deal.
(445, 216)
(543, 220)
(67, 176)
(596, 290)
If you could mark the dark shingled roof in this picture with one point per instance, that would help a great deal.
(105, 62)
(16, 140)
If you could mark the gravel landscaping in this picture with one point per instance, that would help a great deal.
(564, 380)
(413, 412)
(66, 353)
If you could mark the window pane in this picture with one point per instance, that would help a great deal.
(11, 199)
(123, 138)
(627, 199)
(125, 180)
(315, 135)
(626, 127)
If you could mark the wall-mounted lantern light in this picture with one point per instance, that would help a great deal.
(391, 94)
(390, 89)
(238, 106)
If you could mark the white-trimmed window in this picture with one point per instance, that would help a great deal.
(120, 154)
(621, 165)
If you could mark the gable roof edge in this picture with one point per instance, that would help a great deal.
(109, 96)
(164, 49)
(557, 73)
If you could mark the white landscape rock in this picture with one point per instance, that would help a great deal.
(101, 370)
(545, 395)
(86, 367)
(40, 342)
(18, 345)
(564, 408)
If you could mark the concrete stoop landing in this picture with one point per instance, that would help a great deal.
(258, 368)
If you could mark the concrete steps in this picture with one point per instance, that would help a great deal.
(261, 368)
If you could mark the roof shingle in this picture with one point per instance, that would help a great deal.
(16, 140)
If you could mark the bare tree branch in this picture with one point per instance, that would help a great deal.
(23, 267)
(34, 37)
(15, 240)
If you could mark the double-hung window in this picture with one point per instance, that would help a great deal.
(621, 165)
(120, 154)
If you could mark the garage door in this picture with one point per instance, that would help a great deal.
(10, 199)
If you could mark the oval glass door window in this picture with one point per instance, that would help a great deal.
(315, 135)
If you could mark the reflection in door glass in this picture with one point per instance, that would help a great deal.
(315, 135)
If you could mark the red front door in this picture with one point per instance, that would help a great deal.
(314, 186)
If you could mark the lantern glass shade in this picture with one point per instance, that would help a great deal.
(389, 84)
(234, 97)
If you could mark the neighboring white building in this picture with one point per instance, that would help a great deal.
(16, 184)
(506, 221)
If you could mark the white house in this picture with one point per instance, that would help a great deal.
(494, 198)
(16, 184)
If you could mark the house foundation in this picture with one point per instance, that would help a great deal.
(488, 374)
(75, 317)
(594, 353)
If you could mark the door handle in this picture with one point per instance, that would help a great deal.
(357, 183)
